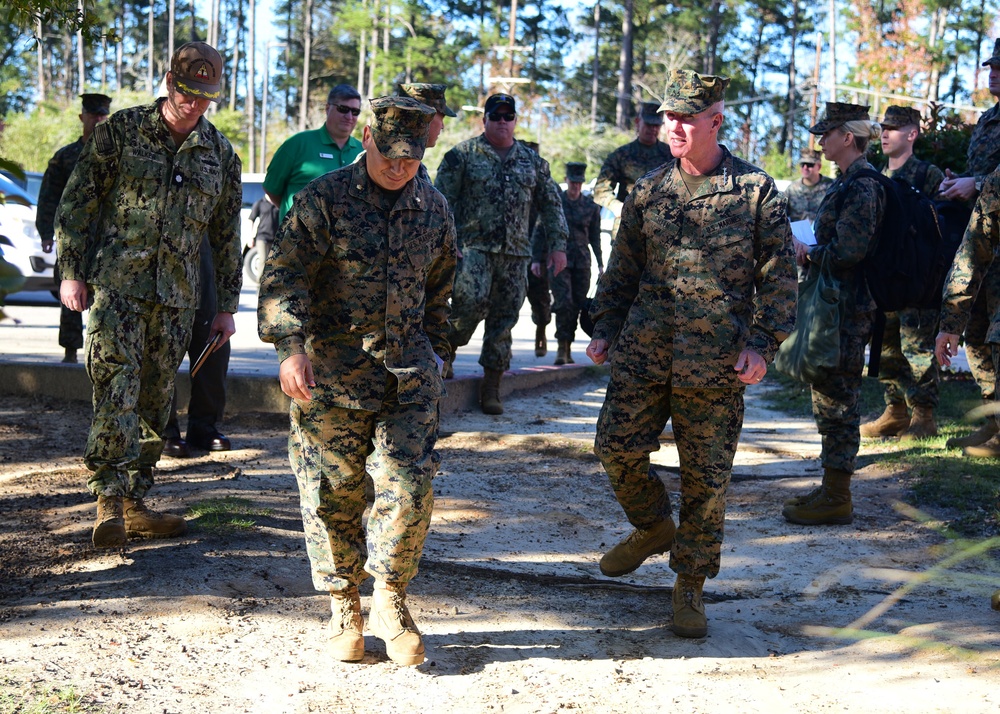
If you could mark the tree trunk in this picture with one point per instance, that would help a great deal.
(595, 84)
(171, 22)
(373, 63)
(41, 61)
(119, 55)
(385, 47)
(787, 144)
(251, 102)
(306, 51)
(712, 40)
(81, 62)
(980, 32)
(149, 53)
(623, 112)
(363, 36)
(234, 81)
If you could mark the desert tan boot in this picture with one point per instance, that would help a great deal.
(109, 528)
(541, 344)
(980, 436)
(639, 545)
(989, 449)
(796, 500)
(893, 422)
(922, 424)
(831, 506)
(391, 622)
(489, 391)
(689, 609)
(143, 522)
(346, 641)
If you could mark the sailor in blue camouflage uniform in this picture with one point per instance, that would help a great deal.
(698, 293)
(570, 287)
(354, 297)
(96, 108)
(154, 180)
(491, 182)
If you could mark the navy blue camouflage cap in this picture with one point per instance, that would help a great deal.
(497, 100)
(896, 117)
(838, 114)
(197, 71)
(650, 113)
(688, 92)
(576, 171)
(93, 103)
(994, 60)
(399, 126)
(430, 94)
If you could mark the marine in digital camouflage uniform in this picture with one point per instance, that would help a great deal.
(538, 293)
(570, 287)
(627, 164)
(804, 198)
(908, 370)
(983, 159)
(975, 258)
(433, 96)
(354, 297)
(154, 179)
(491, 182)
(698, 293)
(842, 239)
(95, 109)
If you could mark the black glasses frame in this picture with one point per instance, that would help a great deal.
(344, 109)
(504, 116)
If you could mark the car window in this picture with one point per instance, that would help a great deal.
(252, 192)
(12, 191)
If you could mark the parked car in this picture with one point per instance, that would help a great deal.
(19, 239)
(253, 254)
(31, 182)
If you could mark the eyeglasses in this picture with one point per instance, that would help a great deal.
(808, 166)
(343, 109)
(505, 116)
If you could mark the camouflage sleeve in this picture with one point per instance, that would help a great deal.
(618, 287)
(284, 300)
(450, 176)
(973, 259)
(775, 281)
(933, 181)
(539, 245)
(606, 187)
(224, 237)
(857, 222)
(53, 183)
(550, 210)
(594, 235)
(437, 294)
(86, 189)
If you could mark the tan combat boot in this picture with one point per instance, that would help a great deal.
(831, 506)
(346, 643)
(989, 449)
(893, 422)
(143, 522)
(391, 622)
(639, 545)
(109, 528)
(563, 356)
(922, 424)
(489, 391)
(689, 610)
(541, 344)
(796, 500)
(980, 436)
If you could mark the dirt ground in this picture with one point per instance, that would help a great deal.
(515, 613)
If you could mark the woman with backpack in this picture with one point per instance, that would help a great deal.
(847, 221)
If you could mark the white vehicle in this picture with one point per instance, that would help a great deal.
(253, 254)
(19, 240)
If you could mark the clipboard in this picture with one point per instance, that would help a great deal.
(209, 349)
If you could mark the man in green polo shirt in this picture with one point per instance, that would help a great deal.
(310, 154)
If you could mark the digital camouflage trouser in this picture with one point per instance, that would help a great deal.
(539, 297)
(328, 448)
(133, 351)
(706, 426)
(569, 295)
(909, 370)
(978, 351)
(488, 286)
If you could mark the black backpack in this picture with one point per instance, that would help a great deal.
(908, 260)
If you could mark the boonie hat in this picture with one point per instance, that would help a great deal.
(896, 117)
(649, 112)
(399, 126)
(197, 70)
(691, 93)
(99, 104)
(430, 94)
(838, 114)
(576, 171)
(498, 100)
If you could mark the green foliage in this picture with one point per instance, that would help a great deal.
(23, 698)
(944, 141)
(233, 124)
(222, 514)
(775, 163)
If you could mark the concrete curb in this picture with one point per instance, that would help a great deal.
(261, 393)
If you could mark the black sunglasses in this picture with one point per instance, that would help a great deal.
(807, 164)
(343, 109)
(505, 116)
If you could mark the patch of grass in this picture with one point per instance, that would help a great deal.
(17, 698)
(963, 492)
(230, 512)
